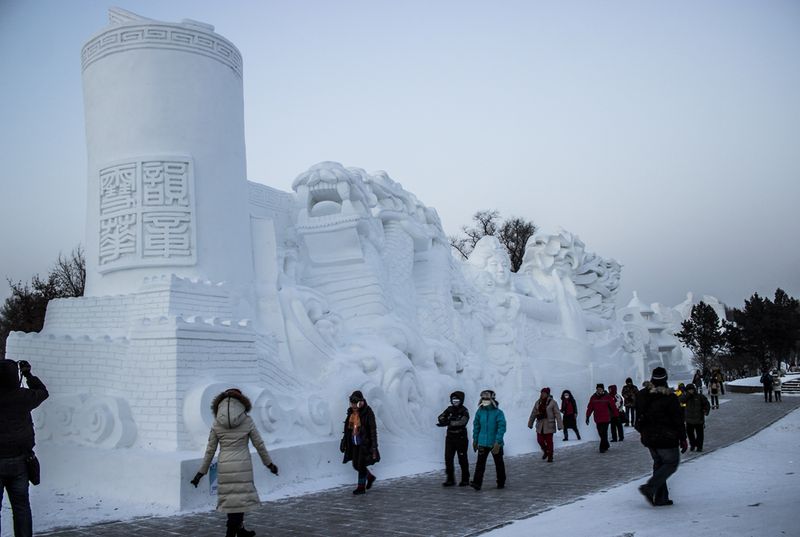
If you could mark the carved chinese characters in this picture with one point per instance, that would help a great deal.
(146, 214)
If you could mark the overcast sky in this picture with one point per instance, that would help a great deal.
(664, 134)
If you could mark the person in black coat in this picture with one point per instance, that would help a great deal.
(17, 438)
(569, 410)
(455, 418)
(659, 420)
(360, 441)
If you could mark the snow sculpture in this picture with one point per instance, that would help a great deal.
(198, 279)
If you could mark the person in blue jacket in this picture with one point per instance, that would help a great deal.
(488, 428)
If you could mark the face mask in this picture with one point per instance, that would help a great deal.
(486, 402)
(455, 402)
(360, 404)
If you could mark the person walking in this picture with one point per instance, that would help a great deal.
(697, 380)
(713, 392)
(659, 420)
(232, 431)
(569, 411)
(488, 429)
(17, 439)
(601, 404)
(547, 417)
(629, 392)
(695, 412)
(455, 418)
(776, 385)
(360, 441)
(766, 380)
(617, 432)
(717, 374)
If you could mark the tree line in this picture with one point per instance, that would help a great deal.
(25, 309)
(761, 334)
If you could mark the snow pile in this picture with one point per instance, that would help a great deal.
(758, 499)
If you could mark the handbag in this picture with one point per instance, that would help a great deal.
(34, 470)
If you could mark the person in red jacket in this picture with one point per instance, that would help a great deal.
(601, 404)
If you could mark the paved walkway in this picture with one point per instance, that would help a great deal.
(419, 506)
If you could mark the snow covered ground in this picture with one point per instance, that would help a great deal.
(755, 382)
(710, 499)
(748, 489)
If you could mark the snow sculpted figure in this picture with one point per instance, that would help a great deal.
(347, 283)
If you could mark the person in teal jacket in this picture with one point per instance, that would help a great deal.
(488, 428)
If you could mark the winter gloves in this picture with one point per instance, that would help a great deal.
(495, 449)
(24, 368)
(198, 476)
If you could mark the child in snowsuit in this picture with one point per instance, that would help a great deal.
(455, 418)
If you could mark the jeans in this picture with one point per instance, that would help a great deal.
(617, 433)
(456, 445)
(14, 479)
(767, 393)
(630, 413)
(602, 430)
(777, 395)
(665, 463)
(480, 466)
(695, 434)
(715, 401)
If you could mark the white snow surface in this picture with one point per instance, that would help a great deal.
(709, 497)
(756, 381)
(748, 489)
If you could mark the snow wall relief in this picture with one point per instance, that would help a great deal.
(198, 280)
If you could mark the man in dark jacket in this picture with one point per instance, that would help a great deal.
(766, 380)
(696, 408)
(455, 418)
(659, 420)
(16, 438)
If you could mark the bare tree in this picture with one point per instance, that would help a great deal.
(70, 272)
(513, 234)
(486, 223)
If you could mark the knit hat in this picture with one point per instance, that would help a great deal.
(690, 386)
(600, 385)
(546, 390)
(659, 376)
(9, 375)
(356, 396)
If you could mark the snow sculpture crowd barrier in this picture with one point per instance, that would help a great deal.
(198, 280)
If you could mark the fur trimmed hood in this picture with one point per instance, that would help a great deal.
(233, 411)
(663, 390)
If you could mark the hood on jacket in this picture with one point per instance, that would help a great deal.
(230, 408)
(612, 389)
(9, 375)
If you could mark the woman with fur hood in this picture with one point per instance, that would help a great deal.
(232, 431)
(547, 417)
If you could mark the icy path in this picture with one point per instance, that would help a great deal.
(419, 506)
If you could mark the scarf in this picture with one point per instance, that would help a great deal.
(354, 423)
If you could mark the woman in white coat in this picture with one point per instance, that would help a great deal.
(232, 431)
